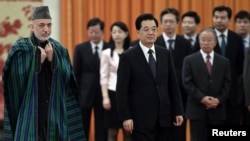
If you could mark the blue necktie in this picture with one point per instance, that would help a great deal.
(152, 62)
(170, 45)
(223, 45)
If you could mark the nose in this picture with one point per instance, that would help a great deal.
(46, 28)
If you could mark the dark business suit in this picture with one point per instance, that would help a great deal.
(148, 101)
(195, 47)
(88, 77)
(182, 48)
(199, 83)
(235, 54)
(246, 81)
(134, 43)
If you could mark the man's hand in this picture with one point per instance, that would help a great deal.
(178, 120)
(106, 103)
(128, 125)
(43, 54)
(210, 102)
(49, 52)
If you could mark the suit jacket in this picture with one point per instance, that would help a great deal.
(235, 54)
(182, 48)
(143, 98)
(87, 73)
(246, 77)
(199, 83)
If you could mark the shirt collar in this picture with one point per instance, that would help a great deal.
(145, 49)
(193, 37)
(204, 55)
(100, 45)
(218, 33)
(166, 38)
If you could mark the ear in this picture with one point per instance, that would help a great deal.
(31, 26)
(138, 34)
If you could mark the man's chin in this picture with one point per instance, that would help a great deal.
(43, 39)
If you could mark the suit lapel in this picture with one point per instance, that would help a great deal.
(202, 63)
(142, 61)
(216, 64)
(162, 42)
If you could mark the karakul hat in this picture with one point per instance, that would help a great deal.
(41, 12)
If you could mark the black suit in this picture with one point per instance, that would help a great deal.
(147, 101)
(182, 48)
(246, 78)
(235, 54)
(199, 83)
(88, 77)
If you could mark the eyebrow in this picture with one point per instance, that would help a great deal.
(149, 27)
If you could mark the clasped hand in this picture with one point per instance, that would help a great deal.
(210, 102)
(47, 52)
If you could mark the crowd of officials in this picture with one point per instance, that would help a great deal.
(148, 87)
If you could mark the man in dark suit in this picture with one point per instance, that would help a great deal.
(86, 65)
(246, 78)
(179, 48)
(207, 80)
(242, 22)
(189, 24)
(147, 87)
(231, 46)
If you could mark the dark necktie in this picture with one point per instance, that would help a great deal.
(223, 45)
(209, 65)
(96, 55)
(170, 45)
(152, 62)
(191, 41)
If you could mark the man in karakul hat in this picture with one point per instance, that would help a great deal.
(40, 90)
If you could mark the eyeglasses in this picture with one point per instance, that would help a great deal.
(168, 21)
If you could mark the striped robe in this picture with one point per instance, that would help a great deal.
(20, 85)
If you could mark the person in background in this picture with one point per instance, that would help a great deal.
(147, 88)
(246, 81)
(190, 22)
(230, 45)
(40, 91)
(207, 80)
(179, 47)
(86, 65)
(119, 42)
(242, 22)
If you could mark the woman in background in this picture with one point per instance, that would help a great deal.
(119, 42)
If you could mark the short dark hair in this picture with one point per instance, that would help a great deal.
(223, 8)
(96, 21)
(144, 17)
(192, 14)
(242, 14)
(170, 11)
